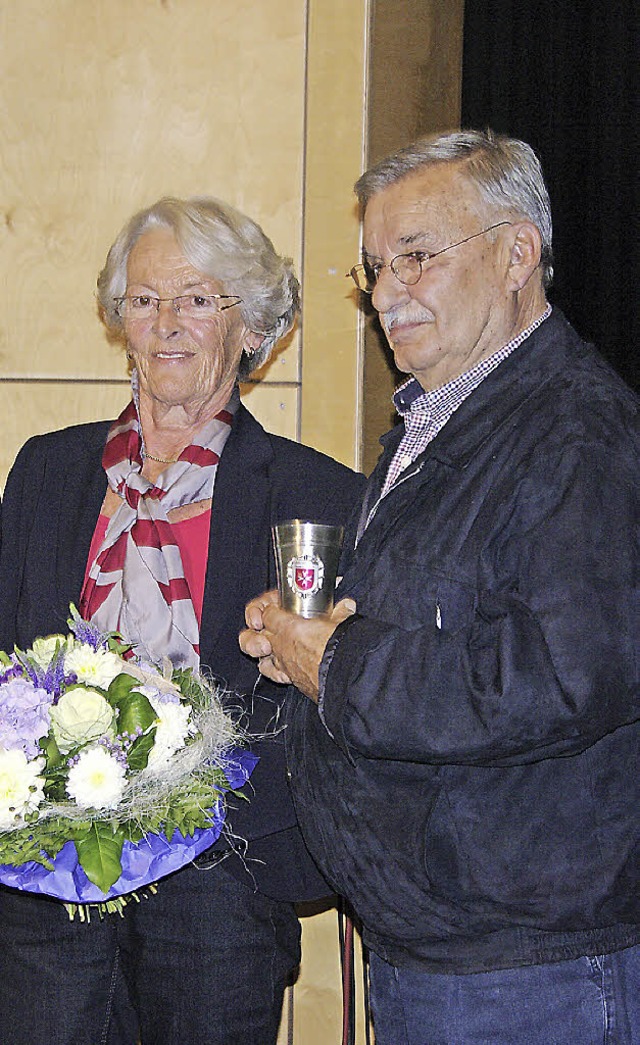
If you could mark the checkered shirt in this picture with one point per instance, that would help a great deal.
(425, 413)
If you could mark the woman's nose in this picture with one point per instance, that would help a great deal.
(167, 321)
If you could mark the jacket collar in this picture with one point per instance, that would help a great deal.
(537, 361)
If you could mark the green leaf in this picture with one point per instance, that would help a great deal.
(138, 756)
(55, 789)
(169, 830)
(99, 853)
(133, 832)
(238, 794)
(116, 644)
(191, 688)
(51, 751)
(120, 687)
(135, 712)
(56, 771)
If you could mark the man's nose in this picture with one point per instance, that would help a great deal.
(388, 291)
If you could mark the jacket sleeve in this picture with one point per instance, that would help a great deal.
(18, 516)
(547, 662)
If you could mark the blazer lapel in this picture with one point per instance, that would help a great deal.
(240, 528)
(81, 496)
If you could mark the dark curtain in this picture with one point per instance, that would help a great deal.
(563, 76)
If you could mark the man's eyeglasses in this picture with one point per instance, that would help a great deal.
(192, 306)
(407, 268)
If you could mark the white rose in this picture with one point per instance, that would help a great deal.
(21, 787)
(96, 780)
(172, 729)
(95, 667)
(80, 716)
(44, 649)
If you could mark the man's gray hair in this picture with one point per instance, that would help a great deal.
(223, 244)
(505, 171)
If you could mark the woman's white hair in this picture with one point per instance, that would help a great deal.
(224, 244)
(505, 171)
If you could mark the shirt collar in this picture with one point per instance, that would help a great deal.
(411, 393)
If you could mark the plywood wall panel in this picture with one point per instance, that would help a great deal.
(275, 406)
(30, 408)
(336, 89)
(108, 106)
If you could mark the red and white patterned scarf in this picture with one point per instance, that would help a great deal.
(136, 583)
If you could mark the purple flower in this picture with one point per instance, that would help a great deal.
(52, 677)
(12, 672)
(86, 632)
(24, 716)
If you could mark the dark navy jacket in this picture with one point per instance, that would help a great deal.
(51, 503)
(476, 790)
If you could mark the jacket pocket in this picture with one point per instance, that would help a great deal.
(428, 597)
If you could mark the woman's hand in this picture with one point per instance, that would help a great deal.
(289, 648)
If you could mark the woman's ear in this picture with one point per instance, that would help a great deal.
(526, 250)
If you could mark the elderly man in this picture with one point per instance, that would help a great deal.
(466, 768)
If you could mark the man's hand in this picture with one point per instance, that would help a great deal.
(289, 648)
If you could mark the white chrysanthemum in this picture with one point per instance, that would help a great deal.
(96, 780)
(93, 667)
(21, 787)
(172, 729)
(43, 650)
(80, 716)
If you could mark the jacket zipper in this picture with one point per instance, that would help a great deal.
(402, 479)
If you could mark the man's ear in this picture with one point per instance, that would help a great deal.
(525, 253)
(251, 342)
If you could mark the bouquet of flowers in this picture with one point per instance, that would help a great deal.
(113, 771)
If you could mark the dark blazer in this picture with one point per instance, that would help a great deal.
(52, 501)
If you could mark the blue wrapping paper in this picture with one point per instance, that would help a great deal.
(144, 862)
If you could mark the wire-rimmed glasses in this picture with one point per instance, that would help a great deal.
(191, 306)
(407, 268)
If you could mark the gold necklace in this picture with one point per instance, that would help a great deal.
(160, 460)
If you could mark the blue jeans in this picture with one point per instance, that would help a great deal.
(204, 961)
(589, 1001)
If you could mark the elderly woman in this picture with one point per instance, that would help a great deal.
(199, 296)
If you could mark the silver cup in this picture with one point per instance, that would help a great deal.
(307, 555)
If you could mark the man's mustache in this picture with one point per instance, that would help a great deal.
(400, 315)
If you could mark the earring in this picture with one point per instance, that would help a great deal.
(249, 352)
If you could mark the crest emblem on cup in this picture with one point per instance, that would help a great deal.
(305, 574)
(306, 558)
